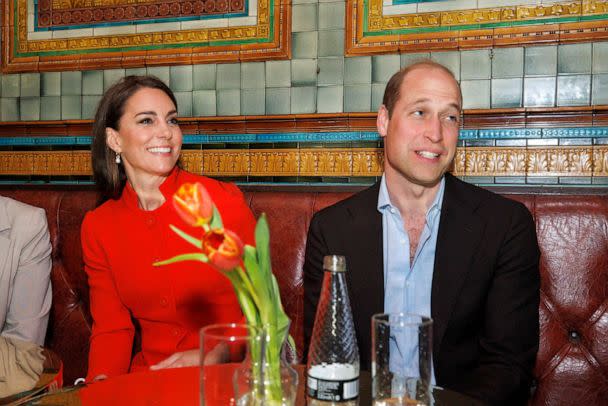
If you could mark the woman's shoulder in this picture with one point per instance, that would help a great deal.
(103, 213)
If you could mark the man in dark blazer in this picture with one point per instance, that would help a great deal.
(485, 281)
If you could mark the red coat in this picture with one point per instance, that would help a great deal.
(120, 242)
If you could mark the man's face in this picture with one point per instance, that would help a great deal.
(421, 134)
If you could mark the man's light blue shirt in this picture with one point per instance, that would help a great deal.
(407, 287)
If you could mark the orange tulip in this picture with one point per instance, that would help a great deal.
(193, 204)
(223, 248)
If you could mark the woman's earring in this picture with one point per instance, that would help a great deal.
(117, 160)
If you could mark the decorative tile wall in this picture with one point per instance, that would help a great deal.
(320, 79)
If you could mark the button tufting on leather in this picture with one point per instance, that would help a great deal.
(574, 337)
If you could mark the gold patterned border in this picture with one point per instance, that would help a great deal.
(268, 39)
(369, 30)
(336, 162)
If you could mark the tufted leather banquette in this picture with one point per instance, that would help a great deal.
(572, 364)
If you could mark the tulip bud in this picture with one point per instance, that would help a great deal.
(193, 204)
(223, 248)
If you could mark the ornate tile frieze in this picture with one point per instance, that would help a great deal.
(79, 35)
(376, 26)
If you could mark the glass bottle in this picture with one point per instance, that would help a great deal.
(333, 356)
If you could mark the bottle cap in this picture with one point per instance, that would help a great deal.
(334, 263)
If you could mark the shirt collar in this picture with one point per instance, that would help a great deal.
(384, 200)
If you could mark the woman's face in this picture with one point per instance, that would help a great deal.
(149, 138)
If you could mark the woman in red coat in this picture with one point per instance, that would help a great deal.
(136, 147)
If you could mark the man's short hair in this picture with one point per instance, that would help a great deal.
(392, 92)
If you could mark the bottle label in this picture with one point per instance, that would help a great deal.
(337, 391)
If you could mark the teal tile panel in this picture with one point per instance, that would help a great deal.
(30, 85)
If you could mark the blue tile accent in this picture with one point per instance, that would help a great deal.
(32, 141)
(575, 132)
(468, 134)
(511, 133)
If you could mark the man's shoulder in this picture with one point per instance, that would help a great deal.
(479, 197)
(21, 212)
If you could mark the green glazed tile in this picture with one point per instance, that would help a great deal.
(50, 108)
(331, 43)
(71, 107)
(507, 93)
(303, 100)
(136, 72)
(539, 92)
(475, 94)
(408, 59)
(92, 82)
(253, 75)
(161, 72)
(303, 17)
(357, 98)
(303, 72)
(228, 102)
(574, 58)
(573, 90)
(184, 103)
(304, 44)
(331, 15)
(278, 73)
(600, 89)
(29, 108)
(71, 83)
(30, 85)
(377, 95)
(204, 103)
(111, 76)
(278, 100)
(10, 85)
(600, 57)
(253, 102)
(507, 63)
(450, 60)
(384, 66)
(89, 106)
(204, 77)
(228, 76)
(50, 84)
(331, 71)
(358, 70)
(475, 64)
(180, 78)
(330, 99)
(9, 109)
(539, 61)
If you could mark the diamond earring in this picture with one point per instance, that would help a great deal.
(117, 160)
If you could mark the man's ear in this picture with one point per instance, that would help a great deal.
(113, 140)
(382, 121)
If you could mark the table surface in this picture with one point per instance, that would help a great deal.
(180, 386)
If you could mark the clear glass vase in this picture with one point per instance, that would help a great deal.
(267, 378)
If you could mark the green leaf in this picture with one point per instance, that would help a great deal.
(281, 317)
(255, 276)
(194, 241)
(216, 220)
(195, 256)
(262, 244)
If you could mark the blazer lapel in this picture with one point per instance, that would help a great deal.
(5, 242)
(365, 240)
(460, 231)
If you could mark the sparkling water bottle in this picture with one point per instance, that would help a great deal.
(333, 356)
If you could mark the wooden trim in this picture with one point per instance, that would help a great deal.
(472, 119)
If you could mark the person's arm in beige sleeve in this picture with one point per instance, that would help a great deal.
(30, 297)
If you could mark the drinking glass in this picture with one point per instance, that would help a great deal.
(401, 359)
(225, 356)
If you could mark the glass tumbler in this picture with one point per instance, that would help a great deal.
(401, 359)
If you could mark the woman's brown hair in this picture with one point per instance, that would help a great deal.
(109, 176)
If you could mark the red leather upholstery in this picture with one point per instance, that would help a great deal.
(572, 365)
